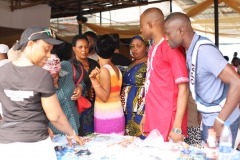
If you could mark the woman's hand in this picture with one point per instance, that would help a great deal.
(94, 73)
(50, 132)
(77, 139)
(77, 92)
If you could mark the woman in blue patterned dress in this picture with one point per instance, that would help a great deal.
(133, 91)
(62, 74)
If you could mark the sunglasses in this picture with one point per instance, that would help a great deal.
(48, 31)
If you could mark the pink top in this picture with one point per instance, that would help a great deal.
(166, 68)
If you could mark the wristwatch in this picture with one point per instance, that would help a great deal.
(177, 130)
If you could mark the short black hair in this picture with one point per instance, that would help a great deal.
(78, 37)
(105, 46)
(179, 16)
(116, 39)
(91, 34)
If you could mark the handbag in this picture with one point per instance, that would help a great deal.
(82, 102)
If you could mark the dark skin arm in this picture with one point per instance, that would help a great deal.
(103, 86)
(228, 76)
(182, 101)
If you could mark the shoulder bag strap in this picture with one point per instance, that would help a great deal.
(74, 74)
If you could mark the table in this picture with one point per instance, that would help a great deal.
(117, 147)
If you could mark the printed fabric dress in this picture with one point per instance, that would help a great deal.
(64, 92)
(133, 98)
(108, 116)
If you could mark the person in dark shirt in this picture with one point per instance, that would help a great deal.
(121, 61)
(29, 100)
(92, 38)
(80, 46)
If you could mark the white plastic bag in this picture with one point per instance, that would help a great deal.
(154, 139)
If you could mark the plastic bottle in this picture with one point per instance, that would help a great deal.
(211, 148)
(225, 145)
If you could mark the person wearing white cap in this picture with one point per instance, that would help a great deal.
(3, 54)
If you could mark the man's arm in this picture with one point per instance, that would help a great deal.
(230, 77)
(182, 101)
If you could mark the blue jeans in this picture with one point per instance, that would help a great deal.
(233, 127)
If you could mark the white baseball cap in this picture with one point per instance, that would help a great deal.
(4, 48)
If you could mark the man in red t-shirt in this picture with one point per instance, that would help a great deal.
(166, 81)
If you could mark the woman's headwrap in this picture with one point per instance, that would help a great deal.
(140, 38)
(53, 64)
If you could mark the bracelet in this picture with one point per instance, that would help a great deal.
(96, 86)
(71, 137)
(219, 120)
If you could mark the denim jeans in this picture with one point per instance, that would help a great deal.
(233, 127)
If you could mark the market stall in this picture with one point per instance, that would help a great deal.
(116, 147)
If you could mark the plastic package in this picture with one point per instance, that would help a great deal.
(211, 148)
(225, 145)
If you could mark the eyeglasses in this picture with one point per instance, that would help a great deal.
(48, 31)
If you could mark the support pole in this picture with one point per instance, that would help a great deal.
(216, 23)
(170, 6)
(80, 17)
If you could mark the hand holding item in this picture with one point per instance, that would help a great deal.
(94, 73)
(218, 127)
(77, 93)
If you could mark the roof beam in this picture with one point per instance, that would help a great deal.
(70, 8)
(16, 4)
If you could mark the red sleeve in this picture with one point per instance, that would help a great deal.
(177, 60)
